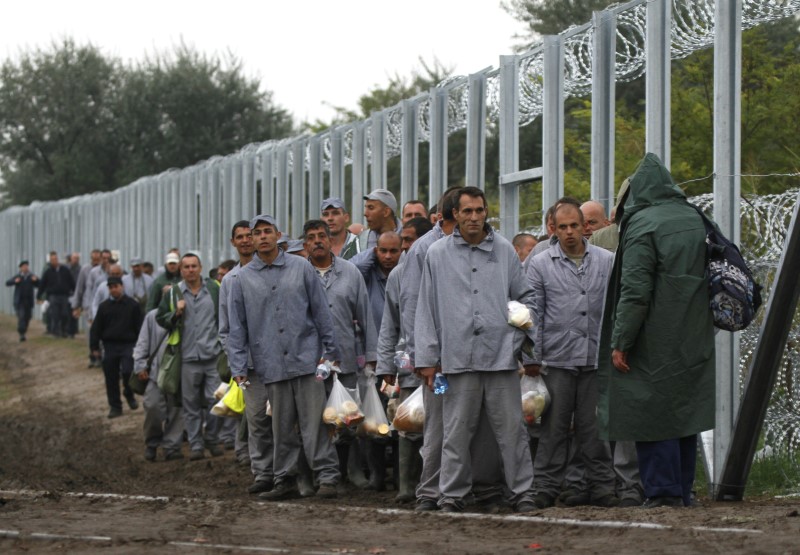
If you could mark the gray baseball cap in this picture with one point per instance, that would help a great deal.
(266, 218)
(385, 196)
(294, 245)
(332, 202)
(136, 261)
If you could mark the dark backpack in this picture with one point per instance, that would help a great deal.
(733, 293)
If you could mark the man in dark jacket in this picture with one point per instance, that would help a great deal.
(656, 363)
(57, 285)
(116, 324)
(164, 282)
(24, 283)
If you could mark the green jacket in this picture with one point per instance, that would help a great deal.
(154, 295)
(165, 317)
(657, 312)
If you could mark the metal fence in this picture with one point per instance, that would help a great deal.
(195, 207)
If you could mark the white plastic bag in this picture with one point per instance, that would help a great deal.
(519, 315)
(341, 410)
(410, 416)
(375, 423)
(535, 398)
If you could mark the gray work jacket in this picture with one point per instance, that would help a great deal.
(462, 311)
(224, 320)
(200, 331)
(568, 305)
(279, 312)
(412, 277)
(392, 336)
(349, 304)
(151, 338)
(367, 264)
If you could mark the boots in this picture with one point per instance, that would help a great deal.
(376, 459)
(406, 455)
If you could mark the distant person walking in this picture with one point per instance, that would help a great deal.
(56, 286)
(24, 282)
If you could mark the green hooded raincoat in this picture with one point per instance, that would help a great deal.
(657, 311)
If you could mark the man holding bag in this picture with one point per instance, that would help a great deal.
(191, 307)
(279, 314)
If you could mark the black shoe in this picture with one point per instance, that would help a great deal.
(243, 461)
(284, 490)
(327, 491)
(230, 445)
(174, 455)
(114, 413)
(450, 508)
(526, 507)
(425, 504)
(260, 486)
(655, 502)
(215, 450)
(21, 338)
(574, 499)
(402, 498)
(197, 455)
(150, 454)
(630, 502)
(543, 500)
(608, 500)
(132, 403)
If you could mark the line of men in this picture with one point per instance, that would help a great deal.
(615, 432)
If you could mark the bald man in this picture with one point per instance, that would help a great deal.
(594, 217)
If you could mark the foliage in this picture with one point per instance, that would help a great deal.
(550, 17)
(75, 121)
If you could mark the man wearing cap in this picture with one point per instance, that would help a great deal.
(296, 247)
(97, 277)
(343, 243)
(57, 285)
(192, 305)
(380, 208)
(259, 424)
(279, 315)
(101, 293)
(24, 284)
(137, 283)
(116, 324)
(170, 275)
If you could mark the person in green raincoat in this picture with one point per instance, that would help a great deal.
(656, 367)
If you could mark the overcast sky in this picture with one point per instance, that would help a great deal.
(309, 53)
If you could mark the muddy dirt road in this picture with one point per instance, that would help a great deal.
(73, 481)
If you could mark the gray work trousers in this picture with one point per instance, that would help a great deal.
(498, 393)
(199, 380)
(259, 429)
(300, 402)
(626, 467)
(163, 421)
(487, 468)
(572, 393)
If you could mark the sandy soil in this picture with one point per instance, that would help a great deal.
(56, 445)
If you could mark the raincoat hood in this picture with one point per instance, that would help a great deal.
(650, 185)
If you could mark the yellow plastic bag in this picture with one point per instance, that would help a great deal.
(232, 403)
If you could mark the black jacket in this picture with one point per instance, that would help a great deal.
(116, 322)
(23, 291)
(56, 281)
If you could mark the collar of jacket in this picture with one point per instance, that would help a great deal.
(486, 244)
(184, 288)
(259, 264)
(557, 252)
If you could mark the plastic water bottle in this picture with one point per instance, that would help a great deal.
(440, 384)
(324, 370)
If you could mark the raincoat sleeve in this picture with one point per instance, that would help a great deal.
(636, 289)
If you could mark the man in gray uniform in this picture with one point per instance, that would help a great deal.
(137, 283)
(380, 209)
(259, 424)
(462, 324)
(279, 314)
(486, 467)
(356, 335)
(343, 243)
(192, 305)
(375, 265)
(81, 301)
(569, 282)
(163, 421)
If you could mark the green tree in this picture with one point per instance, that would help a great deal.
(56, 107)
(550, 17)
(73, 121)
